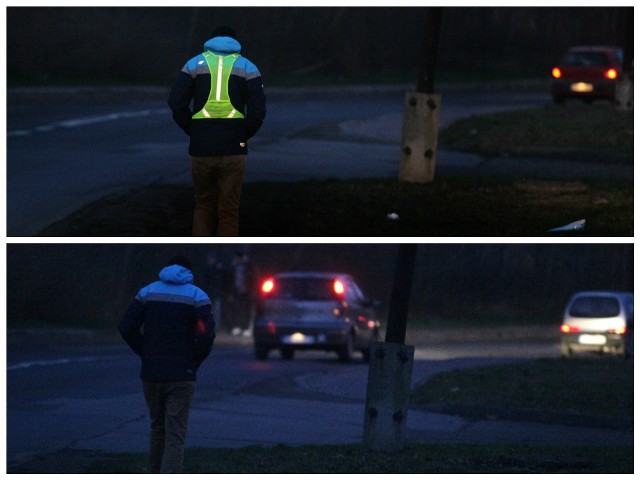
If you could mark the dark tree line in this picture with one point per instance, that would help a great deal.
(85, 284)
(376, 44)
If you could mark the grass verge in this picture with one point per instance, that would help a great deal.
(581, 132)
(360, 208)
(585, 385)
(416, 458)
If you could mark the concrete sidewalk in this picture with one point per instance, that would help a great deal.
(244, 420)
(329, 407)
(235, 421)
(387, 130)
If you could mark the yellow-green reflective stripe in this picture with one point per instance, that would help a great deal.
(219, 85)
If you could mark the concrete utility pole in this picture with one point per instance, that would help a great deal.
(390, 366)
(624, 87)
(422, 111)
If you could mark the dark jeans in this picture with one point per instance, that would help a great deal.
(169, 405)
(218, 184)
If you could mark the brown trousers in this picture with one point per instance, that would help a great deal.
(218, 184)
(169, 405)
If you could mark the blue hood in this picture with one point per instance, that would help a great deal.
(222, 45)
(176, 274)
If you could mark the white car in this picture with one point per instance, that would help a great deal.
(598, 321)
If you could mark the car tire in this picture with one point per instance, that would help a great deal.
(346, 351)
(287, 353)
(566, 351)
(261, 352)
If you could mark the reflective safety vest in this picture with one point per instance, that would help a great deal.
(218, 104)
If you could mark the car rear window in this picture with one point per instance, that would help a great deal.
(595, 307)
(303, 289)
(586, 59)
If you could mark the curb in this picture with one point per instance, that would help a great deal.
(19, 337)
(483, 334)
(161, 92)
(483, 412)
(424, 336)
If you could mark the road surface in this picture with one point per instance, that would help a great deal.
(67, 148)
(89, 397)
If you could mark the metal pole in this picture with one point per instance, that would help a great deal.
(432, 23)
(401, 293)
(624, 86)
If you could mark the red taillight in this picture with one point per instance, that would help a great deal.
(569, 329)
(611, 74)
(338, 287)
(556, 73)
(619, 331)
(271, 328)
(268, 286)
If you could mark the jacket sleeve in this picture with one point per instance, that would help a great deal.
(130, 325)
(180, 100)
(205, 332)
(256, 106)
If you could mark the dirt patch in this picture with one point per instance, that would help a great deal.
(67, 460)
(360, 208)
(156, 211)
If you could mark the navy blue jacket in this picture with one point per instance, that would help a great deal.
(170, 326)
(190, 91)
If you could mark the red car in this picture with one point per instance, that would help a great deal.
(588, 73)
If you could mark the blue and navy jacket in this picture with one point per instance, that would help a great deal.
(170, 326)
(218, 136)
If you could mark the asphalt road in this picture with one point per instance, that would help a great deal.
(67, 148)
(88, 397)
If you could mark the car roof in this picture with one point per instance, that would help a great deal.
(312, 274)
(595, 48)
(603, 293)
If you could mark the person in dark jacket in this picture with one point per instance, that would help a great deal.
(229, 106)
(170, 327)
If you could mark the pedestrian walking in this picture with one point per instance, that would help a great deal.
(229, 107)
(215, 284)
(242, 294)
(170, 327)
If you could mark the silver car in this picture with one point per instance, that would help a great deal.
(314, 311)
(598, 321)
